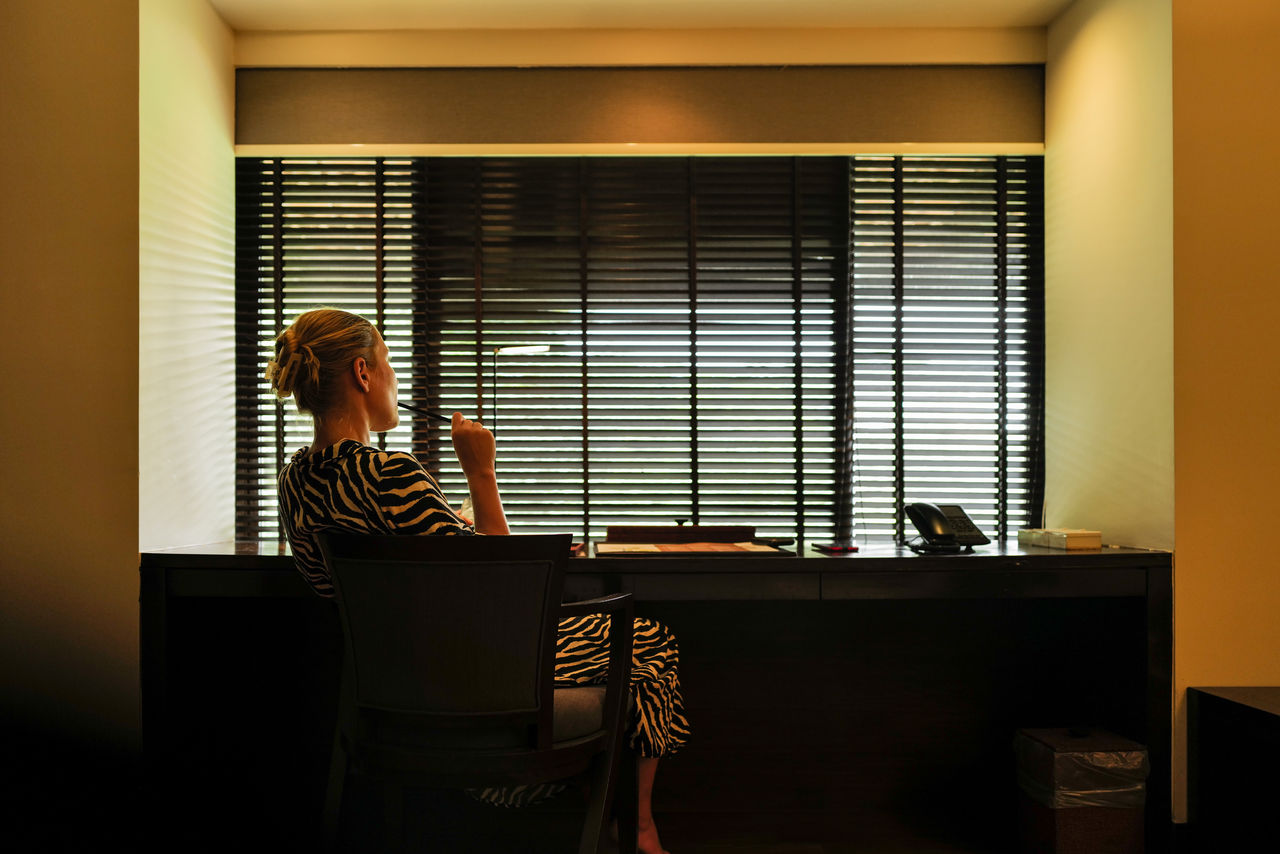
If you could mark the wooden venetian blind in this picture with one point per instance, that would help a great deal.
(651, 338)
(947, 288)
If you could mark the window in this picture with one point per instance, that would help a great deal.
(799, 343)
(947, 290)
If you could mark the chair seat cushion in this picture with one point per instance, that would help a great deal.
(578, 712)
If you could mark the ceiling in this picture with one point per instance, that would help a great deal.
(321, 15)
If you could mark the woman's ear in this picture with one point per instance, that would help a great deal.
(360, 373)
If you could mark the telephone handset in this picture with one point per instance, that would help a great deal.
(946, 529)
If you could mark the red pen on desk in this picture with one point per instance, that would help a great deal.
(834, 548)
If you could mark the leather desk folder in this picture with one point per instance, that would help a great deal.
(679, 533)
(683, 541)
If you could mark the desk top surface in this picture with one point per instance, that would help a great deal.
(271, 554)
(875, 572)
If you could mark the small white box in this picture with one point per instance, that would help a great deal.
(1033, 537)
(1073, 538)
(1060, 538)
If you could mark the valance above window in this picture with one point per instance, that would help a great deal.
(1000, 107)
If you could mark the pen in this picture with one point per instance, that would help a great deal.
(427, 412)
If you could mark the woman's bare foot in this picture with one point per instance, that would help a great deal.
(647, 841)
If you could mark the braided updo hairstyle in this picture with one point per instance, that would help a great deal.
(314, 351)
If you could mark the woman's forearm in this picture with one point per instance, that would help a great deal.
(477, 455)
(486, 503)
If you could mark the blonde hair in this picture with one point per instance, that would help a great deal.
(314, 351)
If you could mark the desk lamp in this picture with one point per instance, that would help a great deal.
(509, 351)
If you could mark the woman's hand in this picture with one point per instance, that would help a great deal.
(474, 445)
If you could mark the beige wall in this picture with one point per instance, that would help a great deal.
(1109, 272)
(1109, 301)
(69, 464)
(1226, 305)
(495, 48)
(186, 292)
(1185, 269)
(103, 265)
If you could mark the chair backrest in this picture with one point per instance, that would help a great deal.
(441, 627)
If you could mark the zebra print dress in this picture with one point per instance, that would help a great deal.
(353, 487)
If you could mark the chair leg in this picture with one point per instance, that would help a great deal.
(626, 801)
(613, 785)
(593, 825)
(333, 795)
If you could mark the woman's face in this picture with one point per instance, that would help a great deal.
(383, 414)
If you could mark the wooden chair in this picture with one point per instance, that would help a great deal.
(450, 654)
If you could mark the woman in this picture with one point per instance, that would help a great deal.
(337, 368)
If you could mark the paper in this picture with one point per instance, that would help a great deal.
(680, 548)
(625, 548)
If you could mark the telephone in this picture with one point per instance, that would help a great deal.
(946, 529)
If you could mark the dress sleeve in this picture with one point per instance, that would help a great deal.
(411, 500)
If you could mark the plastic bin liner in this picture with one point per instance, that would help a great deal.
(1065, 768)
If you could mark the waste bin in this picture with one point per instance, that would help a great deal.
(1081, 791)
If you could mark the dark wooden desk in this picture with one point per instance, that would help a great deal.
(870, 698)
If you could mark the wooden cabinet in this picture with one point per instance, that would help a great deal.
(1233, 767)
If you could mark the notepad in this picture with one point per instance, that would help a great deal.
(625, 549)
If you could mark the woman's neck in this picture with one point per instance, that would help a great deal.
(334, 427)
